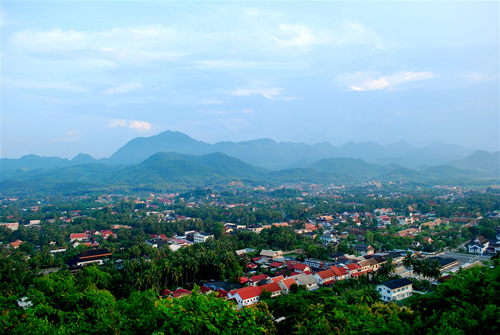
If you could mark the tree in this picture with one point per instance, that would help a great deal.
(408, 260)
(265, 295)
(387, 268)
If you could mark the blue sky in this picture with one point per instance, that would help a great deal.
(88, 76)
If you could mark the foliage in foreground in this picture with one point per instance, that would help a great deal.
(65, 304)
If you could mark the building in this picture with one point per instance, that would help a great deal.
(286, 284)
(78, 237)
(91, 256)
(201, 237)
(396, 289)
(364, 249)
(271, 254)
(478, 245)
(326, 277)
(317, 264)
(12, 226)
(309, 281)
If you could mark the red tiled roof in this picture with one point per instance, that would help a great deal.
(222, 293)
(328, 282)
(78, 235)
(326, 274)
(339, 271)
(251, 266)
(249, 292)
(300, 266)
(259, 277)
(353, 266)
(289, 282)
(271, 287)
(243, 280)
(276, 264)
(277, 279)
(255, 259)
(293, 273)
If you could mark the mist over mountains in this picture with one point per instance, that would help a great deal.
(175, 160)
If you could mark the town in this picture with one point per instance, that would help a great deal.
(247, 246)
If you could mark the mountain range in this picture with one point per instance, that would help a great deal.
(172, 160)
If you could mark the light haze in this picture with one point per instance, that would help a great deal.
(88, 76)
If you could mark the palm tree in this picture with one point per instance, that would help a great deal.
(408, 260)
(387, 268)
(432, 269)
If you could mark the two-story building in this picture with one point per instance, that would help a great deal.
(396, 289)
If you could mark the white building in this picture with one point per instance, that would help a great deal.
(201, 237)
(396, 289)
(478, 245)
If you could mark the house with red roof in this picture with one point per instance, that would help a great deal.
(325, 277)
(77, 237)
(285, 285)
(301, 268)
(339, 272)
(16, 244)
(256, 279)
(353, 269)
(107, 233)
(276, 265)
(276, 279)
(273, 287)
(246, 296)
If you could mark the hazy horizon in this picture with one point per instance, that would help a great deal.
(87, 77)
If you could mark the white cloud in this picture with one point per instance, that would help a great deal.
(122, 89)
(370, 82)
(247, 111)
(141, 126)
(268, 92)
(118, 123)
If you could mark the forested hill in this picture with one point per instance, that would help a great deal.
(272, 155)
(174, 171)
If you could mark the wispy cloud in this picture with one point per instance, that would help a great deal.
(122, 89)
(480, 76)
(44, 85)
(299, 36)
(141, 126)
(369, 82)
(268, 92)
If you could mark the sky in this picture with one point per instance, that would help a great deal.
(89, 76)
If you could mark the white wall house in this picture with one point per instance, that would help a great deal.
(201, 237)
(396, 289)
